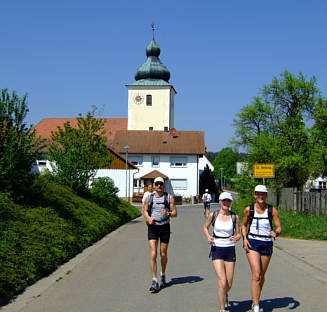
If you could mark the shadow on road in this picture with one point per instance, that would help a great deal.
(267, 305)
(183, 280)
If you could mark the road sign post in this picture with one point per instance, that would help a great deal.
(264, 171)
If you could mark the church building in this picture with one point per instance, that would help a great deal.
(147, 139)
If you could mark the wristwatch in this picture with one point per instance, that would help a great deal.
(277, 234)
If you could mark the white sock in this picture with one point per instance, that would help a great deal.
(255, 308)
(162, 274)
(155, 279)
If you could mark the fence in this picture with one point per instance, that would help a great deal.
(302, 202)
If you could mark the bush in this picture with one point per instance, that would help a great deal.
(104, 192)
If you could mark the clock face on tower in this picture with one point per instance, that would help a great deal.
(138, 98)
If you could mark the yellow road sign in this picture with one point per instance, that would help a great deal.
(264, 171)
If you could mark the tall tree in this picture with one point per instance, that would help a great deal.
(225, 159)
(207, 181)
(320, 139)
(273, 128)
(18, 143)
(79, 152)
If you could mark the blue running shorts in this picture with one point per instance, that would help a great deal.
(264, 248)
(223, 253)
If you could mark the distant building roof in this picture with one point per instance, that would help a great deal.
(46, 125)
(159, 142)
(154, 174)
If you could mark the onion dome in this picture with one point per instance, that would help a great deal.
(153, 69)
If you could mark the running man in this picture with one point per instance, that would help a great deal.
(159, 208)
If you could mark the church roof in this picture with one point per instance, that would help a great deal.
(46, 125)
(153, 71)
(159, 142)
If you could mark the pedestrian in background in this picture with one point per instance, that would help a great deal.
(206, 197)
(225, 234)
(258, 239)
(146, 195)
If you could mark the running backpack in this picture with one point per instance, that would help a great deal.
(251, 217)
(166, 202)
(214, 217)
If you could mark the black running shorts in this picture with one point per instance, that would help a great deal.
(223, 253)
(161, 232)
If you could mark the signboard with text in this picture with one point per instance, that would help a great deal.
(264, 171)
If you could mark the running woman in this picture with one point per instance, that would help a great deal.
(258, 241)
(225, 234)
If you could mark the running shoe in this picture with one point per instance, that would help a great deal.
(255, 308)
(154, 286)
(163, 281)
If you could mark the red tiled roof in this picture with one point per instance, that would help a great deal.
(46, 125)
(159, 142)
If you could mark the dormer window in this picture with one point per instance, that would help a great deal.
(149, 100)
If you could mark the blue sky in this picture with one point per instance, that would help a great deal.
(69, 55)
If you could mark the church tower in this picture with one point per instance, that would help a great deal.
(151, 96)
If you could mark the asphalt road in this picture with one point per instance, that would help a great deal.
(114, 275)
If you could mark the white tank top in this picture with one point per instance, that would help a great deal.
(260, 226)
(224, 229)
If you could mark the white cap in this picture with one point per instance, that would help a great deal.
(261, 188)
(225, 195)
(206, 190)
(159, 179)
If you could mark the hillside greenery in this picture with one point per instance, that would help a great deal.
(52, 226)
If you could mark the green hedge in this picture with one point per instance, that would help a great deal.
(52, 226)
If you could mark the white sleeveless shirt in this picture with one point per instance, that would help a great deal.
(224, 229)
(260, 226)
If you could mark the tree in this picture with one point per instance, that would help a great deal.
(226, 159)
(79, 152)
(18, 143)
(274, 128)
(207, 181)
(211, 156)
(320, 139)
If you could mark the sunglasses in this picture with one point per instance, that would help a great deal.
(158, 183)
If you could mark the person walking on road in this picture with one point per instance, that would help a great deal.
(225, 234)
(146, 195)
(159, 208)
(258, 239)
(206, 197)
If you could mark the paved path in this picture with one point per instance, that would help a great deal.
(113, 275)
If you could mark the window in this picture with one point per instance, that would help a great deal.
(149, 100)
(166, 129)
(178, 161)
(42, 163)
(178, 184)
(136, 160)
(155, 161)
(150, 128)
(322, 185)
